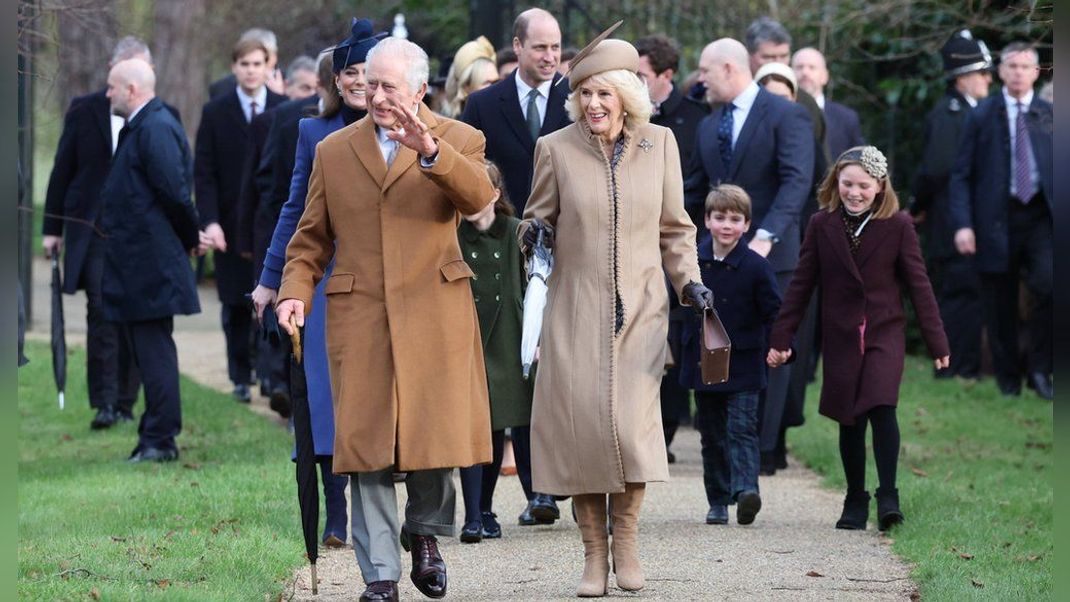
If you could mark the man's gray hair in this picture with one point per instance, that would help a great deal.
(417, 68)
(264, 36)
(301, 63)
(765, 29)
(130, 47)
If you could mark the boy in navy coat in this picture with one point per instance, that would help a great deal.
(747, 300)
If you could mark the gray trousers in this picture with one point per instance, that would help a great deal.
(428, 511)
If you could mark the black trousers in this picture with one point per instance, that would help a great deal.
(521, 436)
(959, 297)
(152, 349)
(1030, 252)
(773, 401)
(102, 340)
(238, 330)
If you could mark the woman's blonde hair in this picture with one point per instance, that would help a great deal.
(634, 96)
(460, 85)
(885, 204)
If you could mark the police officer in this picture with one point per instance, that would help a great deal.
(967, 67)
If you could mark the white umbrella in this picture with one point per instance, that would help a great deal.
(540, 264)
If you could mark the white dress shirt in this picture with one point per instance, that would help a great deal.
(117, 124)
(246, 102)
(742, 104)
(1012, 122)
(522, 90)
(386, 145)
(820, 100)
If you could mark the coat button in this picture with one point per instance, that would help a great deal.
(497, 276)
(497, 254)
(475, 276)
(497, 297)
(477, 298)
(475, 254)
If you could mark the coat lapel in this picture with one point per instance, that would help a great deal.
(555, 106)
(833, 229)
(366, 148)
(406, 157)
(236, 114)
(102, 116)
(509, 103)
(754, 117)
(873, 236)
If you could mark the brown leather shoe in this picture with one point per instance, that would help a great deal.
(428, 569)
(380, 590)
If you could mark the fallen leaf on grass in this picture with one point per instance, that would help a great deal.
(918, 472)
(813, 574)
(66, 437)
(117, 538)
(977, 583)
(966, 556)
(1037, 445)
(163, 583)
(94, 594)
(192, 466)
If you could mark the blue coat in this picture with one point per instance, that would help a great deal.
(747, 300)
(149, 221)
(496, 112)
(310, 132)
(981, 180)
(773, 161)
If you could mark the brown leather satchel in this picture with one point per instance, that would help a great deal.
(716, 349)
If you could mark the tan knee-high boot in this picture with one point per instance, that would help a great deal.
(591, 518)
(625, 508)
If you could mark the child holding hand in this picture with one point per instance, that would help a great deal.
(862, 250)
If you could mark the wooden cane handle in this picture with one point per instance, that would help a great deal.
(295, 338)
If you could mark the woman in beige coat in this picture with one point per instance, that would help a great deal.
(609, 190)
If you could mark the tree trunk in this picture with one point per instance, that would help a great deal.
(86, 37)
(179, 53)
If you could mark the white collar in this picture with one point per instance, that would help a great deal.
(523, 89)
(260, 98)
(745, 99)
(1011, 101)
(136, 111)
(820, 100)
(970, 100)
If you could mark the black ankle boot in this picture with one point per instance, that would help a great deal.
(855, 511)
(888, 513)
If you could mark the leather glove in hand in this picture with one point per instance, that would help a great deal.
(532, 234)
(698, 297)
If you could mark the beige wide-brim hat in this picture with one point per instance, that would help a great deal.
(778, 69)
(470, 52)
(602, 55)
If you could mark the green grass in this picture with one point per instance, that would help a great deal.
(221, 523)
(975, 483)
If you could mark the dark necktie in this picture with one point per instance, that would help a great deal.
(123, 131)
(724, 134)
(534, 125)
(1023, 178)
(252, 110)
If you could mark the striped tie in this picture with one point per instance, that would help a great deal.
(1023, 177)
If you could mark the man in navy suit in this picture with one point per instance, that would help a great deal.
(765, 145)
(842, 128)
(1001, 208)
(222, 145)
(512, 114)
(150, 226)
(72, 211)
(527, 104)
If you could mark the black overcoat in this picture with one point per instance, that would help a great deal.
(149, 221)
(223, 140)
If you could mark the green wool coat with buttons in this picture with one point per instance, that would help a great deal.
(498, 291)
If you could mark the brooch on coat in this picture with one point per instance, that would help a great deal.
(646, 145)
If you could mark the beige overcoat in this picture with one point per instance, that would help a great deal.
(596, 416)
(403, 343)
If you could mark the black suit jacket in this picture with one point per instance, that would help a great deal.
(981, 182)
(223, 142)
(496, 112)
(943, 129)
(150, 221)
(255, 184)
(83, 160)
(222, 85)
(682, 116)
(773, 161)
(842, 128)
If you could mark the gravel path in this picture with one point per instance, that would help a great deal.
(791, 552)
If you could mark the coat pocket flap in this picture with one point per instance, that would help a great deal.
(456, 269)
(339, 283)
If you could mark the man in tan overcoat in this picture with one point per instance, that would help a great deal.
(410, 393)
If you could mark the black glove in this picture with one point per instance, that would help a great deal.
(532, 234)
(698, 297)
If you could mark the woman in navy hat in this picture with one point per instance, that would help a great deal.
(344, 104)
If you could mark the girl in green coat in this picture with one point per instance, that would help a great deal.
(488, 243)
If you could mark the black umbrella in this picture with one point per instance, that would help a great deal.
(59, 341)
(307, 484)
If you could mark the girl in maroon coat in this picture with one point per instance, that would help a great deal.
(861, 250)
